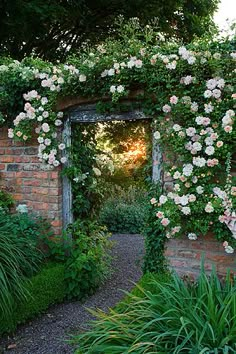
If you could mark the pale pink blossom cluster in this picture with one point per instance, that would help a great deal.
(170, 61)
(214, 87)
(174, 99)
(134, 63)
(202, 140)
(187, 55)
(119, 89)
(187, 80)
(227, 121)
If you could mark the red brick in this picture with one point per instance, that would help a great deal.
(8, 175)
(170, 253)
(7, 158)
(39, 206)
(23, 174)
(31, 182)
(41, 175)
(55, 191)
(54, 174)
(178, 263)
(18, 197)
(21, 159)
(5, 143)
(40, 190)
(2, 166)
(56, 223)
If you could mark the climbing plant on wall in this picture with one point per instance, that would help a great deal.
(190, 91)
(83, 171)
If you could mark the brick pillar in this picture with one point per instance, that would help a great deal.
(29, 181)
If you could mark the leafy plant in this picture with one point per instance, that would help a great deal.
(173, 316)
(88, 264)
(6, 200)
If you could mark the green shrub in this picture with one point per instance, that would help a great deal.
(170, 316)
(125, 212)
(43, 289)
(88, 263)
(19, 258)
(6, 200)
(155, 239)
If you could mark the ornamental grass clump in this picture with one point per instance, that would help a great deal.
(19, 259)
(170, 316)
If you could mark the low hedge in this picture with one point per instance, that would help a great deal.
(45, 288)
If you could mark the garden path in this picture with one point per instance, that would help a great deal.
(47, 334)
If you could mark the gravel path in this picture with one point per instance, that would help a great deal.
(46, 334)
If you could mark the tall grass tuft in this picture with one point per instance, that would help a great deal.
(170, 316)
(19, 258)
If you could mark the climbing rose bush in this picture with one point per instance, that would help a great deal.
(190, 91)
(197, 204)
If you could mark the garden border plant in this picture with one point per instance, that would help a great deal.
(189, 91)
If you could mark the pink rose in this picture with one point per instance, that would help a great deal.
(219, 143)
(228, 129)
(159, 214)
(165, 222)
(153, 201)
(174, 100)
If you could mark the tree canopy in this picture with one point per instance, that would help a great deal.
(51, 28)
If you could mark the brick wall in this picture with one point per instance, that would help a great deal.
(184, 256)
(29, 181)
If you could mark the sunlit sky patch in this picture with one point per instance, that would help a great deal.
(226, 11)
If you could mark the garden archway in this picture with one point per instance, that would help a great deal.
(83, 111)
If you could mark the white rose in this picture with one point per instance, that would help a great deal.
(163, 199)
(120, 88)
(183, 200)
(45, 127)
(82, 78)
(210, 150)
(113, 89)
(192, 236)
(186, 210)
(157, 135)
(199, 190)
(209, 208)
(177, 127)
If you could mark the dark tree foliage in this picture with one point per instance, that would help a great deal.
(49, 28)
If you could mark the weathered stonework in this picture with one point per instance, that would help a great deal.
(185, 256)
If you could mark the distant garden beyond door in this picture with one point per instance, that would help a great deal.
(110, 172)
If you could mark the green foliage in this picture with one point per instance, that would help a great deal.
(155, 239)
(6, 200)
(86, 197)
(52, 28)
(44, 289)
(170, 316)
(88, 264)
(126, 211)
(19, 258)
